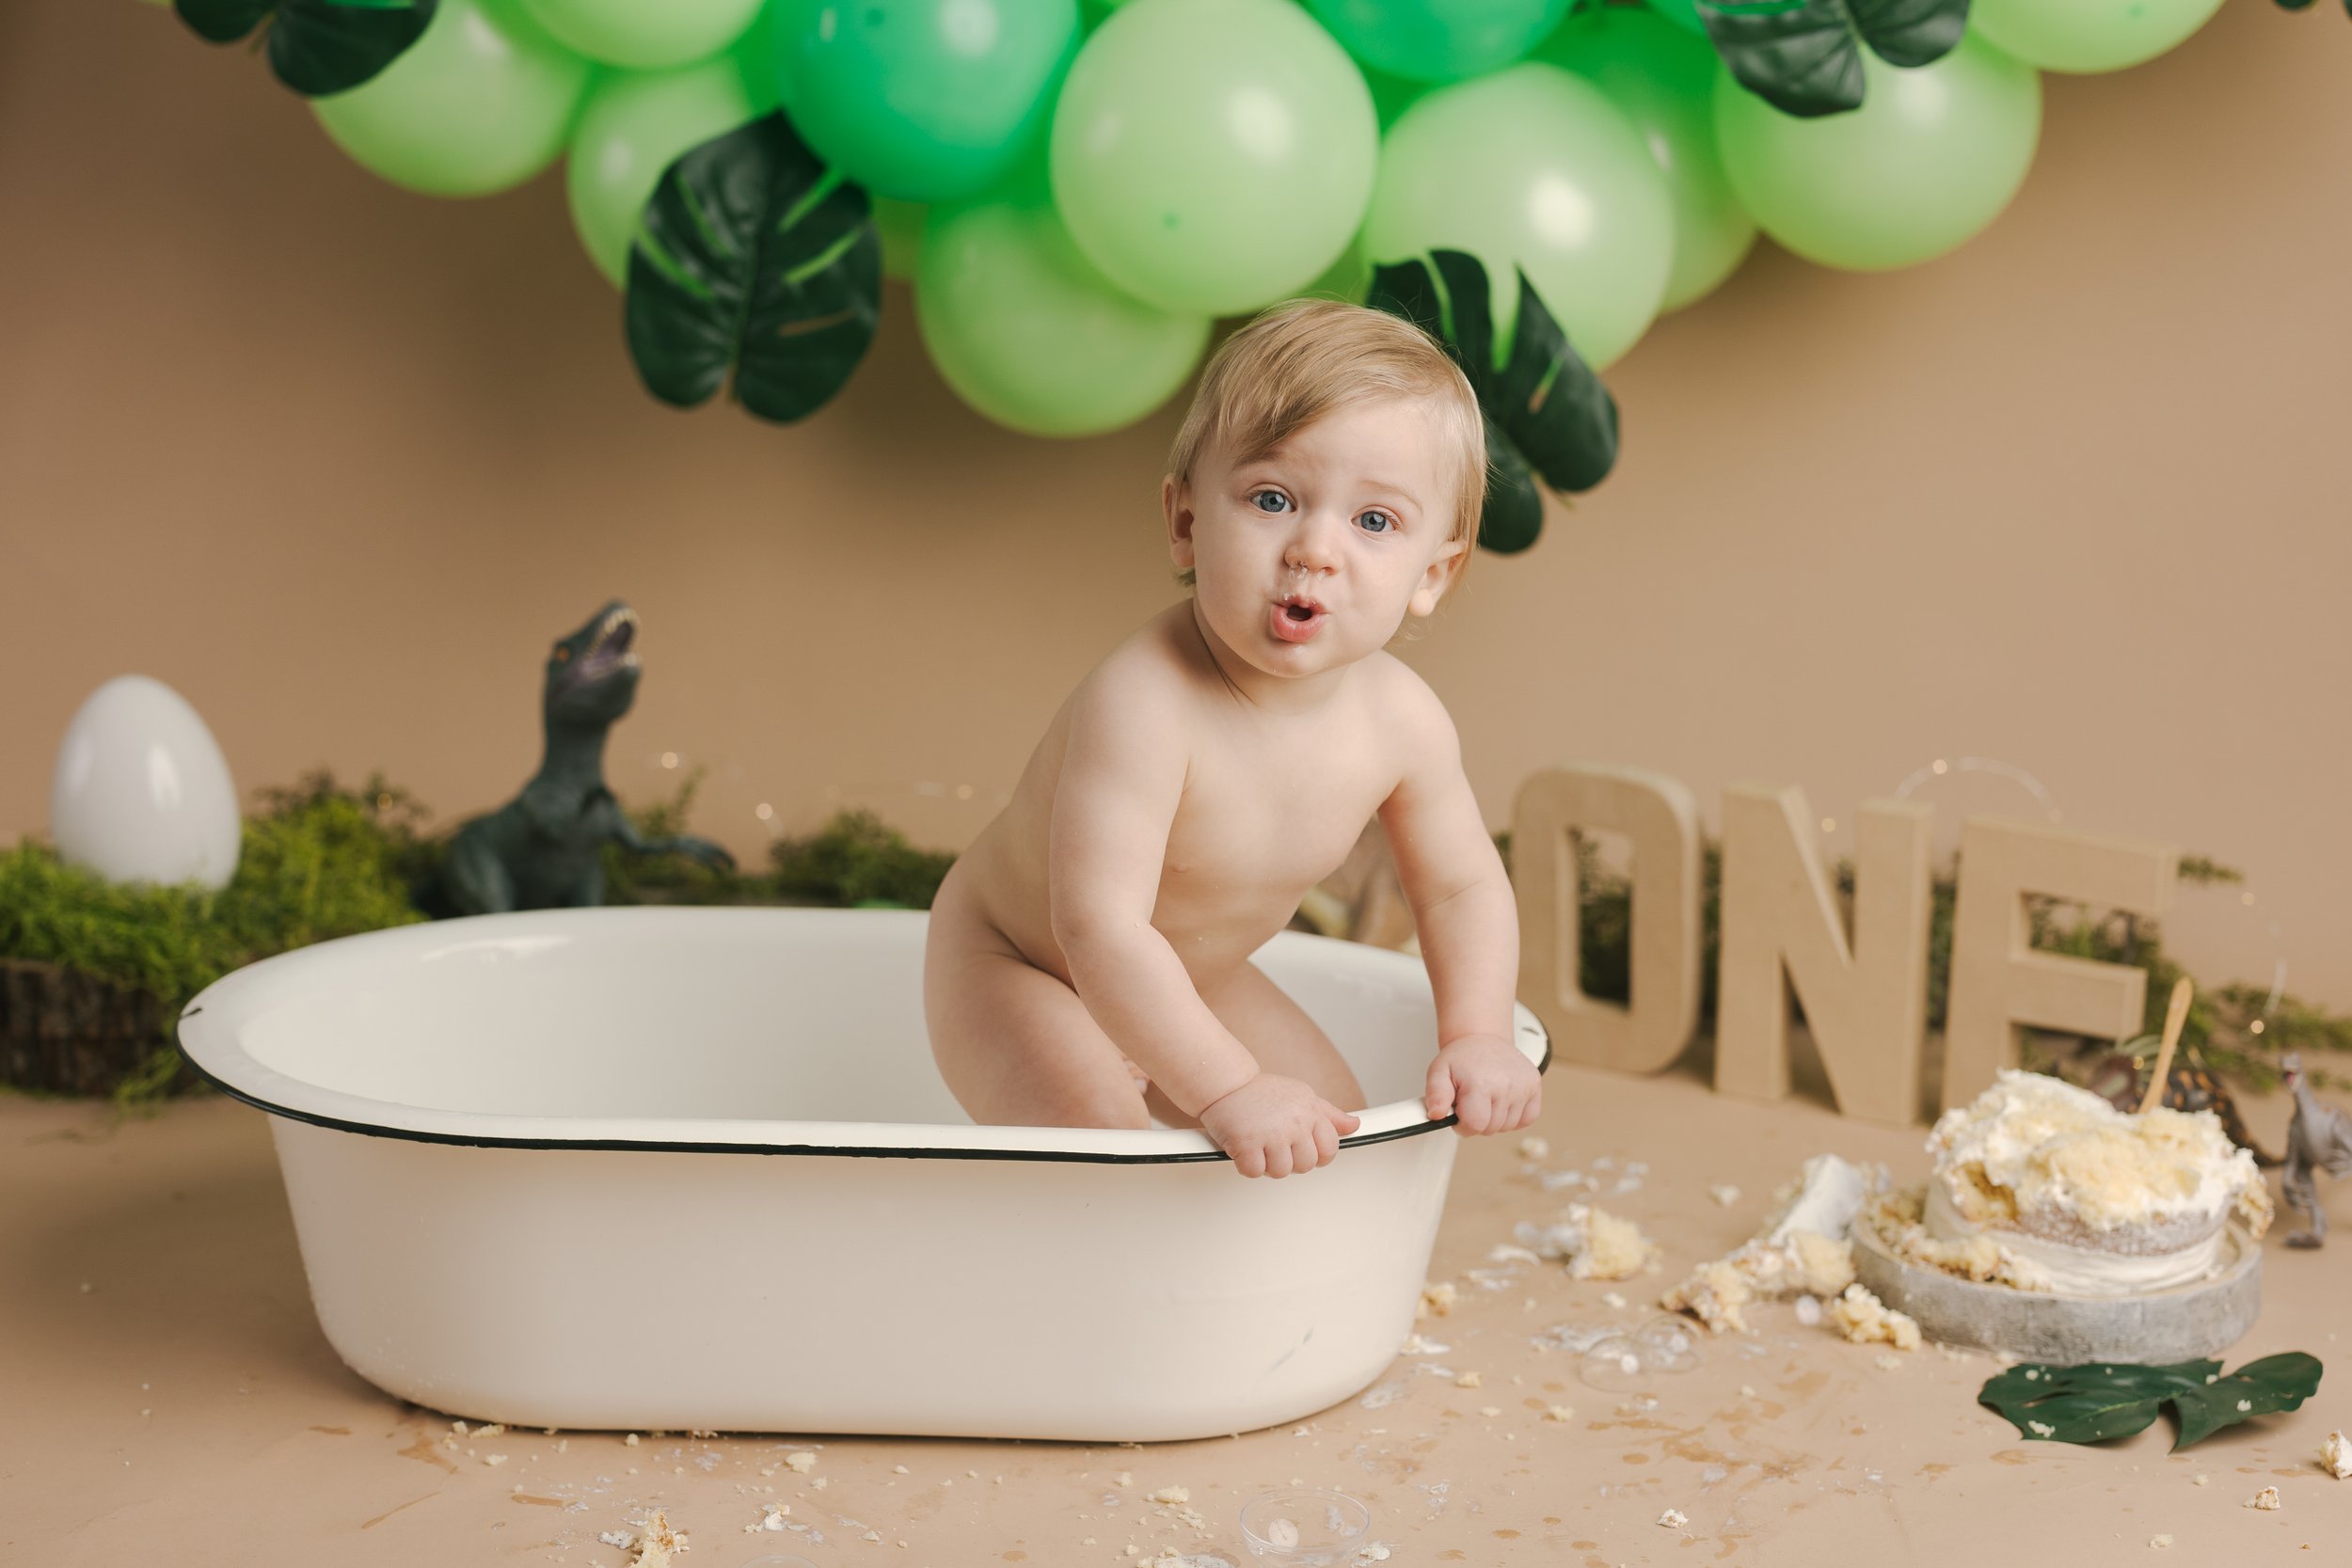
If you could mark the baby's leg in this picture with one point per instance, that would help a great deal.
(1016, 1046)
(1280, 1033)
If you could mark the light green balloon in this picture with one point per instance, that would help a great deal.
(634, 126)
(482, 101)
(1664, 81)
(645, 35)
(900, 225)
(1930, 157)
(1027, 331)
(1211, 156)
(2088, 35)
(1535, 168)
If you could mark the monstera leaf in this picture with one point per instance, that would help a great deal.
(1547, 413)
(1804, 56)
(753, 258)
(315, 46)
(2103, 1400)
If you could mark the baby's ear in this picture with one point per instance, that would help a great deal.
(1176, 505)
(1436, 578)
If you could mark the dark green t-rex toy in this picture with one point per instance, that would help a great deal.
(545, 848)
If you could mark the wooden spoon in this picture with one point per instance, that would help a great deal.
(2175, 1015)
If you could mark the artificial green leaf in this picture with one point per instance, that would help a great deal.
(1910, 33)
(315, 46)
(2263, 1388)
(1547, 413)
(754, 258)
(2101, 1400)
(1799, 55)
(1804, 56)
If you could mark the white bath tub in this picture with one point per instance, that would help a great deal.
(682, 1168)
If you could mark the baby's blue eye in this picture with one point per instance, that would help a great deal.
(1388, 524)
(1275, 494)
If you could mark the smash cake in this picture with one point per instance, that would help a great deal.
(2044, 1187)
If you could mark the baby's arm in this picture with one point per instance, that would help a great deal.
(1467, 923)
(1123, 774)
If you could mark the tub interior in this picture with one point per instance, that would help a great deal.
(789, 1014)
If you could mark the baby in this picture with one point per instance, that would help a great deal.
(1088, 964)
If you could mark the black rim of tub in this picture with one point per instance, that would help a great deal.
(376, 1129)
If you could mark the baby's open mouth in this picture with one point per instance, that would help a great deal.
(1299, 611)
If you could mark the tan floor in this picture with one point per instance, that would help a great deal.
(167, 1397)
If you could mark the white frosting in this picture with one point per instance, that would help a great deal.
(2054, 1155)
(1829, 1194)
(2078, 1271)
(2140, 1201)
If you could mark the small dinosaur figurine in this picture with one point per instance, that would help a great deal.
(2320, 1138)
(545, 848)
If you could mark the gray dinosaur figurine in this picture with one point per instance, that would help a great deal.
(545, 848)
(2319, 1137)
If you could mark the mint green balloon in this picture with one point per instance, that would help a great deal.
(1930, 157)
(1211, 156)
(1664, 81)
(924, 101)
(2083, 36)
(1533, 167)
(482, 101)
(1438, 40)
(634, 126)
(645, 35)
(900, 225)
(1027, 332)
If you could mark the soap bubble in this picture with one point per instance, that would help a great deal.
(1617, 1363)
(1667, 1343)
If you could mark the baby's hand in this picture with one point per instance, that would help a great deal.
(1277, 1126)
(1486, 1083)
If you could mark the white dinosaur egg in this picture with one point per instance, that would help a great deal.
(141, 792)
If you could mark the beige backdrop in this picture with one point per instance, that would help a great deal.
(337, 462)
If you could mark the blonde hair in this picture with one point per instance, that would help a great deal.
(1300, 360)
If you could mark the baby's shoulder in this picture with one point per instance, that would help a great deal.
(1398, 696)
(1140, 679)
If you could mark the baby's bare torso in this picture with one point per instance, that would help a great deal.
(1272, 804)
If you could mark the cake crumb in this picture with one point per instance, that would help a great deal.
(493, 1459)
(2159, 1542)
(1674, 1518)
(2335, 1456)
(1888, 1361)
(1725, 1194)
(1171, 1495)
(1490, 1411)
(659, 1543)
(799, 1461)
(630, 1441)
(1467, 1380)
(1863, 1318)
(1560, 1413)
(1437, 1298)
(898, 1469)
(2198, 1481)
(2268, 1499)
(1534, 1148)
